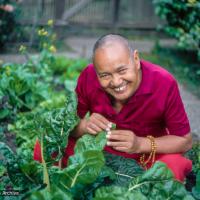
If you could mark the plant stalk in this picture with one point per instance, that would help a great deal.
(45, 171)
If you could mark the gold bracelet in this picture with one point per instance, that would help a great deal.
(151, 155)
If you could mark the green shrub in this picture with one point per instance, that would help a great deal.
(20, 90)
(8, 14)
(183, 21)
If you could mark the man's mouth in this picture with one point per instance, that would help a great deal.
(120, 89)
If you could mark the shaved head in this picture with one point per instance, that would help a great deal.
(117, 67)
(111, 40)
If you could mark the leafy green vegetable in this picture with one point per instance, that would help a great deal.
(196, 189)
(158, 181)
(20, 89)
(22, 170)
(124, 168)
(55, 193)
(91, 142)
(85, 166)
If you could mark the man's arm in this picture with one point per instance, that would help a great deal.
(79, 129)
(167, 144)
(127, 141)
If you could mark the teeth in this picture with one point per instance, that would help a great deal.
(120, 88)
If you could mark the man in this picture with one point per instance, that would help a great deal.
(142, 99)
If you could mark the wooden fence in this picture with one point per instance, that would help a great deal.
(136, 14)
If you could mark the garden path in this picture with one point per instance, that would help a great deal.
(82, 47)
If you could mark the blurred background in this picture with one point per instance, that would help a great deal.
(81, 17)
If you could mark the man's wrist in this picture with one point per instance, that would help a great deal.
(80, 129)
(144, 146)
(83, 125)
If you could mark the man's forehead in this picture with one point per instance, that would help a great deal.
(113, 44)
(112, 48)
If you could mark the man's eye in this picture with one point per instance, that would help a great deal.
(104, 76)
(122, 71)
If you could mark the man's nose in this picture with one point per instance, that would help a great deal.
(116, 81)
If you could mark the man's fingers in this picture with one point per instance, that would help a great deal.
(122, 149)
(99, 121)
(100, 124)
(117, 144)
(118, 137)
(91, 131)
(94, 127)
(121, 132)
(102, 119)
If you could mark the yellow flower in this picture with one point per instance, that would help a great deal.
(53, 37)
(44, 45)
(22, 48)
(52, 49)
(192, 1)
(8, 70)
(1, 62)
(50, 22)
(45, 33)
(42, 32)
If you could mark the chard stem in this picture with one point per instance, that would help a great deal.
(145, 182)
(45, 171)
(60, 161)
(61, 133)
(123, 175)
(77, 174)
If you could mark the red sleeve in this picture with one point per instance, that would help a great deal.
(81, 91)
(176, 118)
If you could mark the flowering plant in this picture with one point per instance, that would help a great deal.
(47, 37)
(8, 13)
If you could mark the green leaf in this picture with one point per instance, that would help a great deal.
(83, 170)
(91, 142)
(158, 181)
(54, 194)
(2, 170)
(159, 171)
(196, 189)
(117, 193)
(4, 112)
(169, 190)
(125, 169)
(6, 152)
(70, 85)
(105, 178)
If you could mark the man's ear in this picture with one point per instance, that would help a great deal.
(136, 58)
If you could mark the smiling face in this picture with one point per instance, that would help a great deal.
(118, 72)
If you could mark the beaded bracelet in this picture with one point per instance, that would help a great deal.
(151, 155)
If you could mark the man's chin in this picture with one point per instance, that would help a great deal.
(120, 99)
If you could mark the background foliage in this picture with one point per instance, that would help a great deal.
(183, 22)
(8, 24)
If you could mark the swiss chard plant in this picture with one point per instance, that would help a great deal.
(90, 173)
(20, 90)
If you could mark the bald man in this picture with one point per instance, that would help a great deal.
(141, 98)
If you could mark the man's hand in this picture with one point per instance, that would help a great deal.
(123, 140)
(95, 124)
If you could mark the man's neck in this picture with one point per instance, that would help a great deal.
(118, 105)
